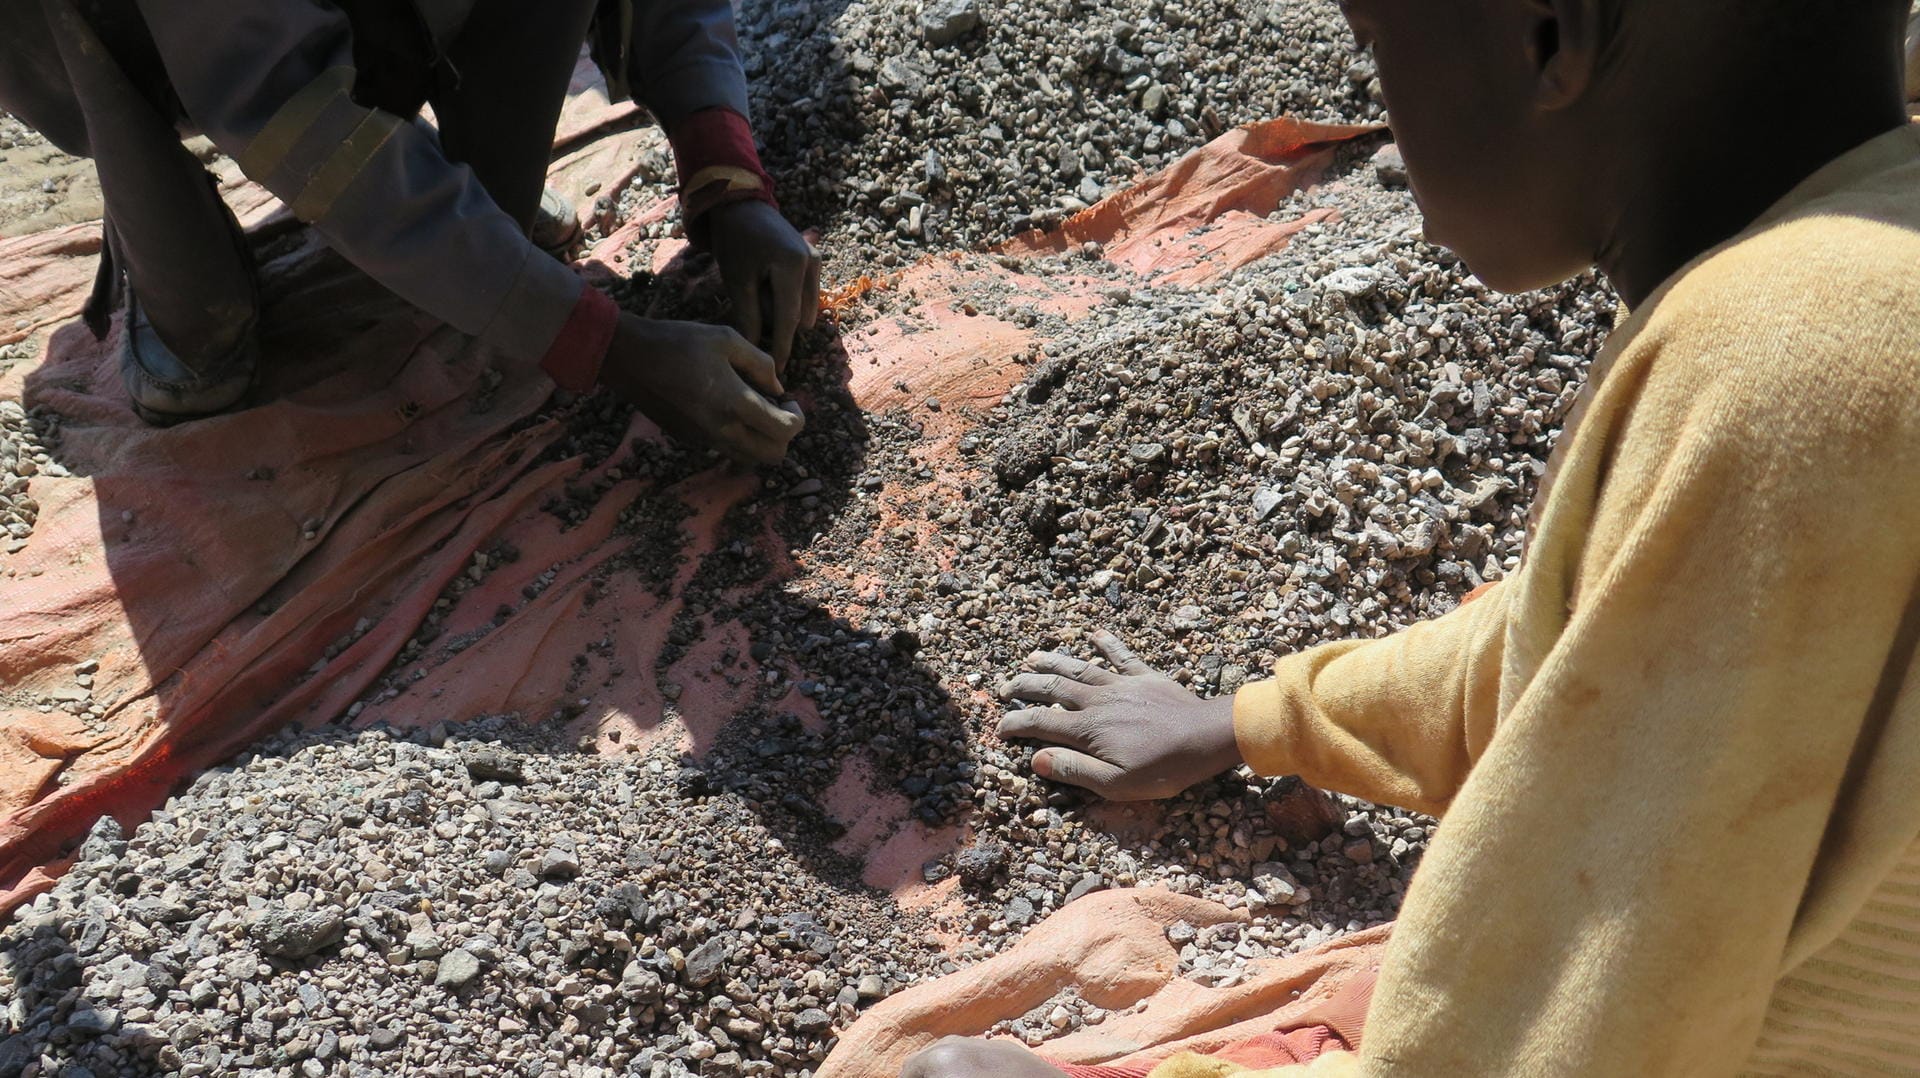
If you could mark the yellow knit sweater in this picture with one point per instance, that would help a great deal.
(1678, 752)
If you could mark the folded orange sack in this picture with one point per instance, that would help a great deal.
(1335, 1024)
(1111, 949)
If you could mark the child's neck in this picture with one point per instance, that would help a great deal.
(1716, 179)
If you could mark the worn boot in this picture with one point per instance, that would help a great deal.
(556, 225)
(164, 389)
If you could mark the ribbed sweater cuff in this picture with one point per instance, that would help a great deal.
(1260, 727)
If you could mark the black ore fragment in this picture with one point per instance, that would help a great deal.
(980, 861)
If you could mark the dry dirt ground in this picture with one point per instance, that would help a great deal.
(40, 187)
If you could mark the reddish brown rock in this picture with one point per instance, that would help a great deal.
(1303, 814)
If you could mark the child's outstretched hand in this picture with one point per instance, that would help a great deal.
(1127, 733)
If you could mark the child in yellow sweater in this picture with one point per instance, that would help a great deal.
(1678, 751)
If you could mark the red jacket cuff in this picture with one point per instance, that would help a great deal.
(574, 358)
(713, 152)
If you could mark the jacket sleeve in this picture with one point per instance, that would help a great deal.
(273, 89)
(685, 57)
(1399, 720)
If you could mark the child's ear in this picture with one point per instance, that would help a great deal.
(1564, 42)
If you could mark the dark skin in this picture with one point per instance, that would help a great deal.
(1542, 137)
(1546, 136)
(704, 384)
(969, 1057)
(1124, 730)
(713, 385)
(771, 272)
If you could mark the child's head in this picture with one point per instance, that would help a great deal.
(1535, 129)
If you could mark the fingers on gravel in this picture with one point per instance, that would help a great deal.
(1034, 688)
(1079, 769)
(1054, 725)
(1119, 654)
(1067, 666)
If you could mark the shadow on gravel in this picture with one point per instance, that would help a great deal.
(52, 1016)
(852, 738)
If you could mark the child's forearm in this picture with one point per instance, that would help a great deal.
(1398, 720)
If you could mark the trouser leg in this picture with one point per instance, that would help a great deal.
(34, 86)
(515, 60)
(184, 255)
(169, 231)
(1913, 56)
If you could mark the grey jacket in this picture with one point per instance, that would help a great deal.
(269, 81)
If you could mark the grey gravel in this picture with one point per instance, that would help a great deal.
(387, 947)
(980, 860)
(560, 863)
(291, 933)
(457, 970)
(942, 22)
(706, 962)
(1389, 167)
(1018, 912)
(24, 440)
(898, 128)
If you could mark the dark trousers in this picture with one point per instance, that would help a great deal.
(168, 231)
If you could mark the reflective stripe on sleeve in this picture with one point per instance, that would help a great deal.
(269, 149)
(300, 148)
(340, 169)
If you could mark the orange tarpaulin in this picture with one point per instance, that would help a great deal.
(236, 574)
(1109, 948)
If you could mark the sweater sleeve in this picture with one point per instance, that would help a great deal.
(273, 88)
(1399, 720)
(1615, 889)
